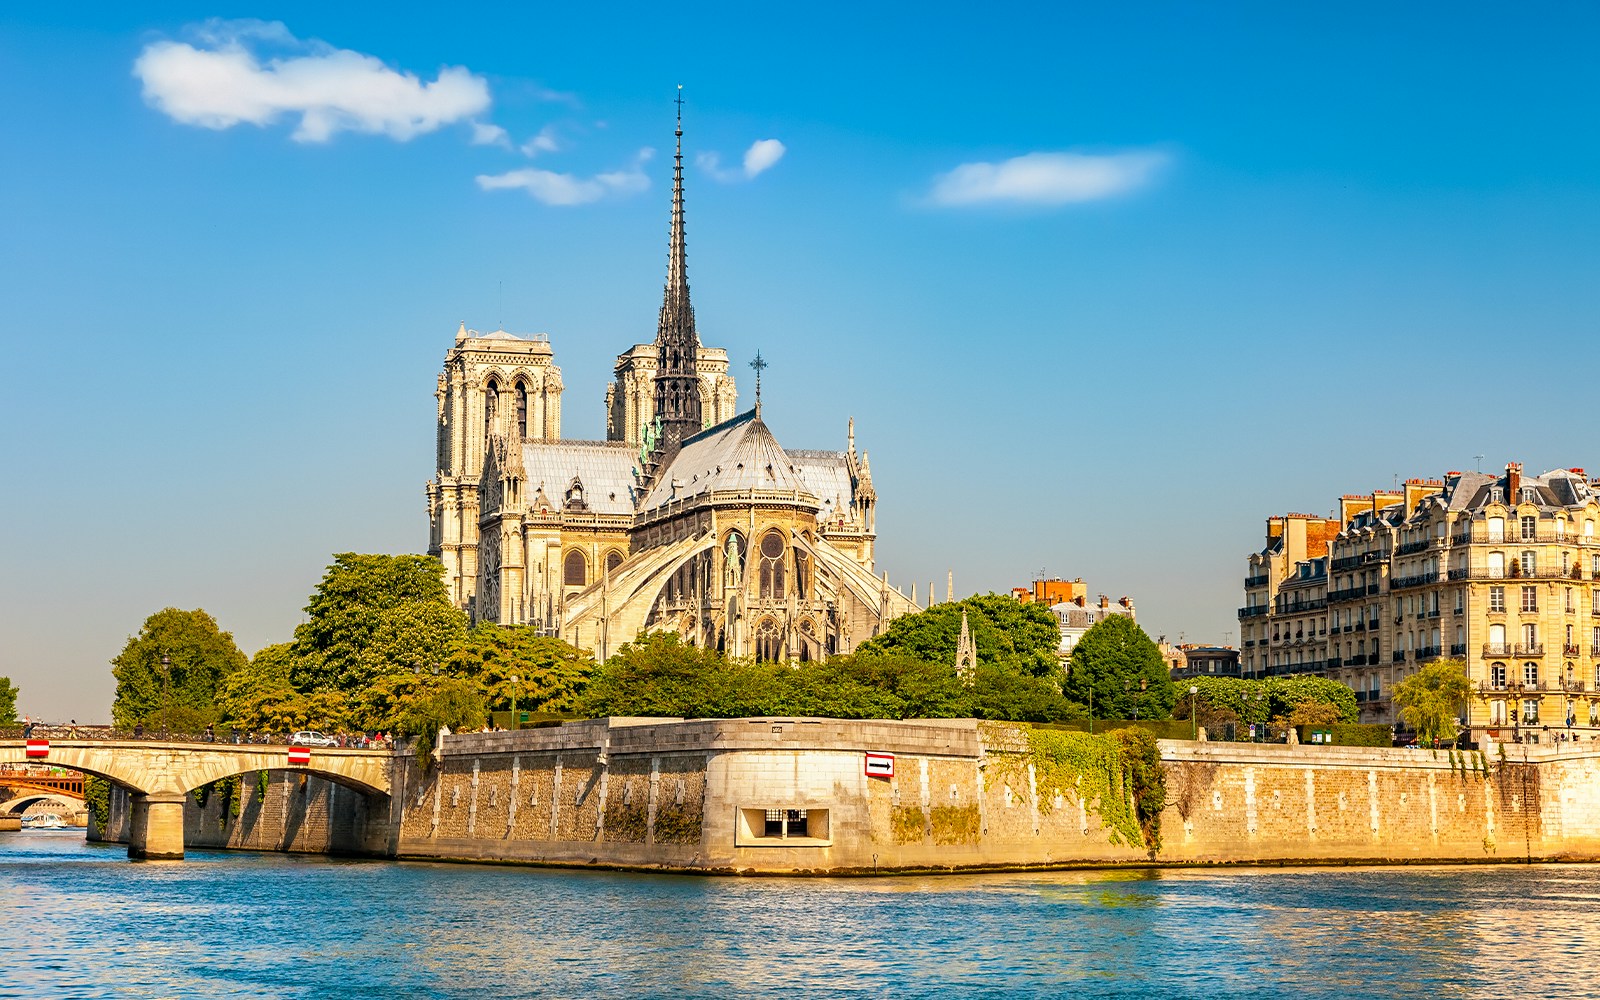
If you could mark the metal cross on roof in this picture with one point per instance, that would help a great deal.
(759, 365)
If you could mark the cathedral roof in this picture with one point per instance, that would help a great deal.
(604, 468)
(737, 455)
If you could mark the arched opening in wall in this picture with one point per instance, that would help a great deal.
(802, 575)
(772, 549)
(575, 570)
(769, 642)
(491, 403)
(522, 408)
(613, 560)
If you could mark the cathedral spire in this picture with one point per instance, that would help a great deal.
(677, 388)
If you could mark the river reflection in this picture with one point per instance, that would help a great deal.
(81, 921)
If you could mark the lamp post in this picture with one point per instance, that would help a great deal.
(166, 685)
(516, 721)
(1194, 726)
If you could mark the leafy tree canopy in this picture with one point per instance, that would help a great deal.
(1123, 669)
(1431, 700)
(1004, 630)
(550, 673)
(370, 613)
(8, 702)
(1258, 701)
(200, 656)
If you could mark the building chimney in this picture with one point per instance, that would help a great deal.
(1513, 481)
(1105, 602)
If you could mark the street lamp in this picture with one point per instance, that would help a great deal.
(166, 685)
(516, 721)
(1194, 726)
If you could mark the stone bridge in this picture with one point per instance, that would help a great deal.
(33, 787)
(159, 775)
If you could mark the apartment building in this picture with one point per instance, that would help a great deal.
(1500, 571)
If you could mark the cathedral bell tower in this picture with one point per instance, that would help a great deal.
(677, 381)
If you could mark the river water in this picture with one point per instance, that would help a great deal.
(79, 920)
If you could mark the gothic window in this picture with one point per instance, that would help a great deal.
(522, 409)
(491, 402)
(769, 642)
(613, 560)
(575, 570)
(772, 566)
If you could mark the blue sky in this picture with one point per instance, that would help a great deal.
(1103, 288)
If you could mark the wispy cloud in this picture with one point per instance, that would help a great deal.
(554, 188)
(544, 142)
(224, 76)
(761, 156)
(1047, 179)
(486, 134)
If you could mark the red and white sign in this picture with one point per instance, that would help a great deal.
(880, 765)
(299, 755)
(38, 748)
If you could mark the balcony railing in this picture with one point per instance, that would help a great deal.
(1530, 649)
(1255, 581)
(1399, 656)
(1289, 608)
(1569, 650)
(1353, 562)
(1428, 653)
(1572, 686)
(1420, 580)
(1496, 649)
(1253, 612)
(1458, 649)
(1358, 660)
(1347, 594)
(1334, 662)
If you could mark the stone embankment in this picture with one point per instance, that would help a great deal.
(794, 795)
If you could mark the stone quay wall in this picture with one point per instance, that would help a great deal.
(793, 796)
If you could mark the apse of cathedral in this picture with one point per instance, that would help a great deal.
(690, 517)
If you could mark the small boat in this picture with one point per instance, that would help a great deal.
(44, 821)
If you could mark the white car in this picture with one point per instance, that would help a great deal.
(312, 738)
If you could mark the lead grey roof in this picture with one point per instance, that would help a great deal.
(604, 467)
(736, 455)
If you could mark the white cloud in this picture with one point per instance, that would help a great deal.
(485, 134)
(544, 142)
(763, 153)
(761, 156)
(223, 80)
(1046, 179)
(569, 189)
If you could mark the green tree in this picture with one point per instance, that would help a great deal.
(1124, 670)
(8, 702)
(659, 674)
(551, 674)
(200, 658)
(1431, 700)
(369, 613)
(450, 702)
(1004, 630)
(1004, 695)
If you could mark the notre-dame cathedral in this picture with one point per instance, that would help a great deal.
(689, 517)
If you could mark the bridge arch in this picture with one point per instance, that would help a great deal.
(20, 804)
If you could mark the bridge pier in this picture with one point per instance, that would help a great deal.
(156, 827)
